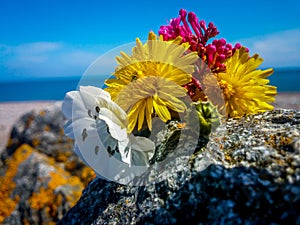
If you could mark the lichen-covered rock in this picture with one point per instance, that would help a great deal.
(249, 173)
(43, 130)
(41, 178)
(38, 190)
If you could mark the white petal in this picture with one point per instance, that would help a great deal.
(142, 150)
(89, 99)
(94, 91)
(68, 129)
(114, 108)
(117, 129)
(67, 105)
(104, 165)
(97, 134)
(73, 107)
(125, 151)
(92, 97)
(141, 143)
(78, 152)
(104, 136)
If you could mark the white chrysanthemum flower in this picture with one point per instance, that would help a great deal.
(99, 127)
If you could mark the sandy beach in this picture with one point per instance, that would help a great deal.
(10, 112)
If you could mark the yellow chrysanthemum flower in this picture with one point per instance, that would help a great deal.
(151, 66)
(166, 59)
(149, 95)
(244, 88)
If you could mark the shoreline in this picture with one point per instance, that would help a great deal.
(11, 111)
(287, 100)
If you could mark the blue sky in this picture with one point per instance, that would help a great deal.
(52, 38)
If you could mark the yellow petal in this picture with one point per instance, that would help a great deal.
(162, 111)
(141, 117)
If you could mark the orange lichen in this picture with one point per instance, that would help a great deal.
(50, 195)
(71, 165)
(62, 132)
(56, 180)
(29, 121)
(38, 200)
(42, 113)
(278, 141)
(7, 185)
(181, 125)
(35, 142)
(87, 175)
(26, 222)
(61, 157)
(48, 199)
(271, 140)
(47, 128)
(228, 158)
(221, 146)
(284, 141)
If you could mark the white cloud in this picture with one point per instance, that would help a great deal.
(46, 59)
(51, 59)
(37, 47)
(280, 49)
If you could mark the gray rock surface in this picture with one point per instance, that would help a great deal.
(249, 173)
(42, 191)
(42, 130)
(41, 177)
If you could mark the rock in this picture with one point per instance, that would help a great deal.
(40, 176)
(39, 190)
(43, 130)
(248, 173)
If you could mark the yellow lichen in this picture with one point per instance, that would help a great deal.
(56, 180)
(61, 157)
(39, 200)
(285, 141)
(71, 165)
(51, 223)
(35, 142)
(7, 185)
(26, 222)
(29, 121)
(42, 113)
(87, 175)
(47, 128)
(47, 199)
(62, 132)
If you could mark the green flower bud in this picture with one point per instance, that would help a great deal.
(209, 118)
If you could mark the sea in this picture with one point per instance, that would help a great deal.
(285, 79)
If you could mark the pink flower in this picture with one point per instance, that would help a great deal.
(201, 33)
(197, 34)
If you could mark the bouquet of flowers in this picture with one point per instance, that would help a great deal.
(181, 68)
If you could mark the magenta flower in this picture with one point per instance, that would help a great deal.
(201, 33)
(197, 34)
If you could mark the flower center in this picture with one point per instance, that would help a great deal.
(227, 89)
